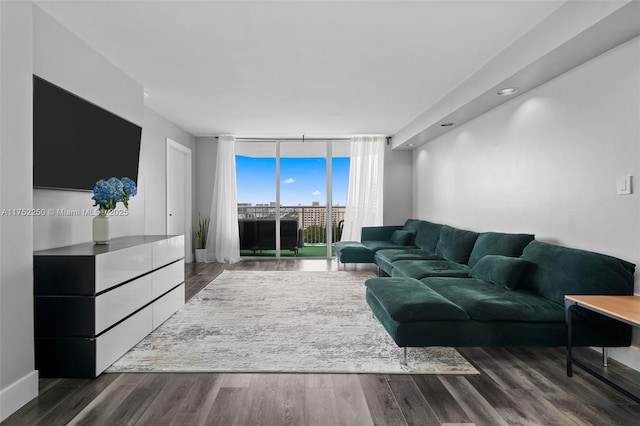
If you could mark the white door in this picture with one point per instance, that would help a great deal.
(179, 194)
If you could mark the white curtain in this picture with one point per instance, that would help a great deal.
(366, 180)
(223, 242)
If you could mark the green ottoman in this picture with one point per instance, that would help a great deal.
(406, 299)
(353, 252)
(401, 303)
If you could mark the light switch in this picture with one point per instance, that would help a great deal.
(623, 185)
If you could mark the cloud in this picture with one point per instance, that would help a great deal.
(288, 181)
(316, 192)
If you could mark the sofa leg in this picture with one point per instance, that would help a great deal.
(605, 357)
(404, 357)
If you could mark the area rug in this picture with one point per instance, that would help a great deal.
(303, 322)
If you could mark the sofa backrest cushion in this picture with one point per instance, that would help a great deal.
(427, 235)
(503, 271)
(555, 271)
(455, 244)
(498, 243)
(411, 225)
(403, 238)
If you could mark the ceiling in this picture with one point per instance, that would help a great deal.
(287, 68)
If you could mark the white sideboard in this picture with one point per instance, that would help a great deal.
(95, 302)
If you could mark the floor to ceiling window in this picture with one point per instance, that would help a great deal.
(291, 196)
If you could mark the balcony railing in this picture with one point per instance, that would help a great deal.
(312, 219)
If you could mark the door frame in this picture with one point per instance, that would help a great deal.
(328, 206)
(172, 148)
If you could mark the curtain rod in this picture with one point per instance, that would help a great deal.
(292, 139)
(303, 139)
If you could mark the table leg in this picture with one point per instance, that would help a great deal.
(567, 310)
(568, 305)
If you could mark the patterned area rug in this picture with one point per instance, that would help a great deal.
(304, 322)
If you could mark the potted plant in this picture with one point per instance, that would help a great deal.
(200, 233)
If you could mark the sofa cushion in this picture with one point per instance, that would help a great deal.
(392, 255)
(427, 235)
(353, 252)
(411, 225)
(374, 246)
(378, 233)
(483, 301)
(403, 238)
(428, 268)
(455, 244)
(503, 271)
(556, 271)
(498, 243)
(385, 258)
(409, 300)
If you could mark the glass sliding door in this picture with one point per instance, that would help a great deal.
(291, 195)
(256, 174)
(303, 192)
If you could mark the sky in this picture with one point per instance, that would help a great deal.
(302, 180)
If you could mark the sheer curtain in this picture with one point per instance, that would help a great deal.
(365, 191)
(223, 241)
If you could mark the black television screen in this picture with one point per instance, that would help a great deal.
(76, 143)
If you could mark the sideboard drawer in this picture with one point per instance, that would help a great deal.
(122, 301)
(167, 278)
(117, 341)
(168, 250)
(115, 267)
(167, 305)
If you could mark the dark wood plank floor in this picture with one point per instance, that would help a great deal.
(515, 387)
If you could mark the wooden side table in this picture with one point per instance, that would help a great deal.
(621, 308)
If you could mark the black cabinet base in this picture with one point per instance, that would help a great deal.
(66, 357)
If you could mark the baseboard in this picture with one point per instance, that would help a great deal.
(628, 356)
(17, 394)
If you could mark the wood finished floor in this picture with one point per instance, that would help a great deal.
(515, 387)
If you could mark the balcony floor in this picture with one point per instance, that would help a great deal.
(306, 251)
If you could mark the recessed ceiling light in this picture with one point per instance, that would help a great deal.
(411, 145)
(507, 91)
(447, 124)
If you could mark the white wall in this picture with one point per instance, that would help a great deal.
(398, 188)
(153, 175)
(546, 163)
(66, 60)
(18, 379)
(205, 153)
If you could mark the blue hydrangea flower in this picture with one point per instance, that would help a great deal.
(129, 186)
(118, 194)
(108, 193)
(104, 194)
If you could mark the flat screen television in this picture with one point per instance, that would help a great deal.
(76, 143)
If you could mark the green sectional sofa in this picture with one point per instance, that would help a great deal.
(461, 288)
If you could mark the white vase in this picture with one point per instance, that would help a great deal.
(102, 228)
